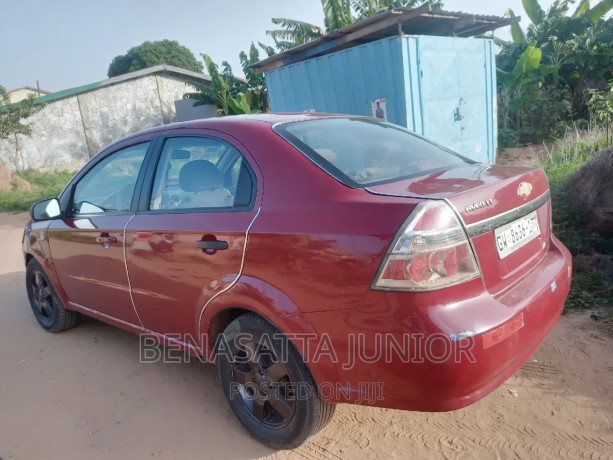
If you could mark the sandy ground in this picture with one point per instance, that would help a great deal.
(83, 394)
(529, 155)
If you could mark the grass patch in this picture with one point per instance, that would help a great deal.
(575, 149)
(44, 185)
(591, 287)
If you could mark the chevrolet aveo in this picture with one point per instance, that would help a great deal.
(317, 259)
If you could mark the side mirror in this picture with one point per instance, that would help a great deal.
(45, 209)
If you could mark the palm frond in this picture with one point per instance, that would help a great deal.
(269, 50)
(298, 27)
(601, 8)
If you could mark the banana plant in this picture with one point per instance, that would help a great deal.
(225, 91)
(293, 33)
(257, 92)
(337, 14)
(555, 21)
(517, 34)
(516, 84)
(367, 8)
(523, 72)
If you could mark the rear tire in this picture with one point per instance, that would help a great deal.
(258, 384)
(46, 304)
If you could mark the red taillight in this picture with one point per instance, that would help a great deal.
(396, 270)
(418, 267)
(451, 261)
(431, 252)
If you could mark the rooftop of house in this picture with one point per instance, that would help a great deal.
(163, 68)
(29, 88)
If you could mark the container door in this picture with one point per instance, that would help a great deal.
(453, 94)
(472, 104)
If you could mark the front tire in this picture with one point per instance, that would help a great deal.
(268, 385)
(46, 305)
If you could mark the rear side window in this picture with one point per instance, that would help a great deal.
(360, 152)
(200, 173)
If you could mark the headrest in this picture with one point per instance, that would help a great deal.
(327, 155)
(199, 175)
(181, 154)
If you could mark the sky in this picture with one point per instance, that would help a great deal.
(67, 43)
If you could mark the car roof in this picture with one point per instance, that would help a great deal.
(231, 121)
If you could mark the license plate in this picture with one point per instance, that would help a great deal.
(511, 237)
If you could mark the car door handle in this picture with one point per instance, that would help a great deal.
(214, 245)
(105, 240)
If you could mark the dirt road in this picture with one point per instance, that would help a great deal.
(83, 394)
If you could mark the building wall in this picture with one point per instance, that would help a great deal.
(23, 93)
(69, 131)
(185, 110)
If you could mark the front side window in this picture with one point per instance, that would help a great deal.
(200, 173)
(109, 185)
(360, 152)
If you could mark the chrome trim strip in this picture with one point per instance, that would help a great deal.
(487, 225)
(125, 262)
(240, 272)
(417, 197)
(98, 314)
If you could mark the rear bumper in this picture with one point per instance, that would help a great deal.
(452, 347)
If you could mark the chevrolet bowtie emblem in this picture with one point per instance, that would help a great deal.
(524, 189)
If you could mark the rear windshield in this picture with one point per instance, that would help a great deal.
(360, 151)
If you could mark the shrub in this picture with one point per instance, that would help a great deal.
(591, 285)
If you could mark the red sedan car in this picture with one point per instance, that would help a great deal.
(317, 259)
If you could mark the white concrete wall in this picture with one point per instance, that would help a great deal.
(68, 132)
(186, 111)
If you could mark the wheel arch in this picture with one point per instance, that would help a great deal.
(49, 268)
(276, 308)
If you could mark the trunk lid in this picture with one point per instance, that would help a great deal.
(487, 198)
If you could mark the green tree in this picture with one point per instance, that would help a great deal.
(600, 105)
(337, 14)
(154, 53)
(575, 49)
(12, 115)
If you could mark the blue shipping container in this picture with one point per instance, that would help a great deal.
(441, 87)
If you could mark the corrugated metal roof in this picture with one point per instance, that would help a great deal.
(120, 78)
(411, 21)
